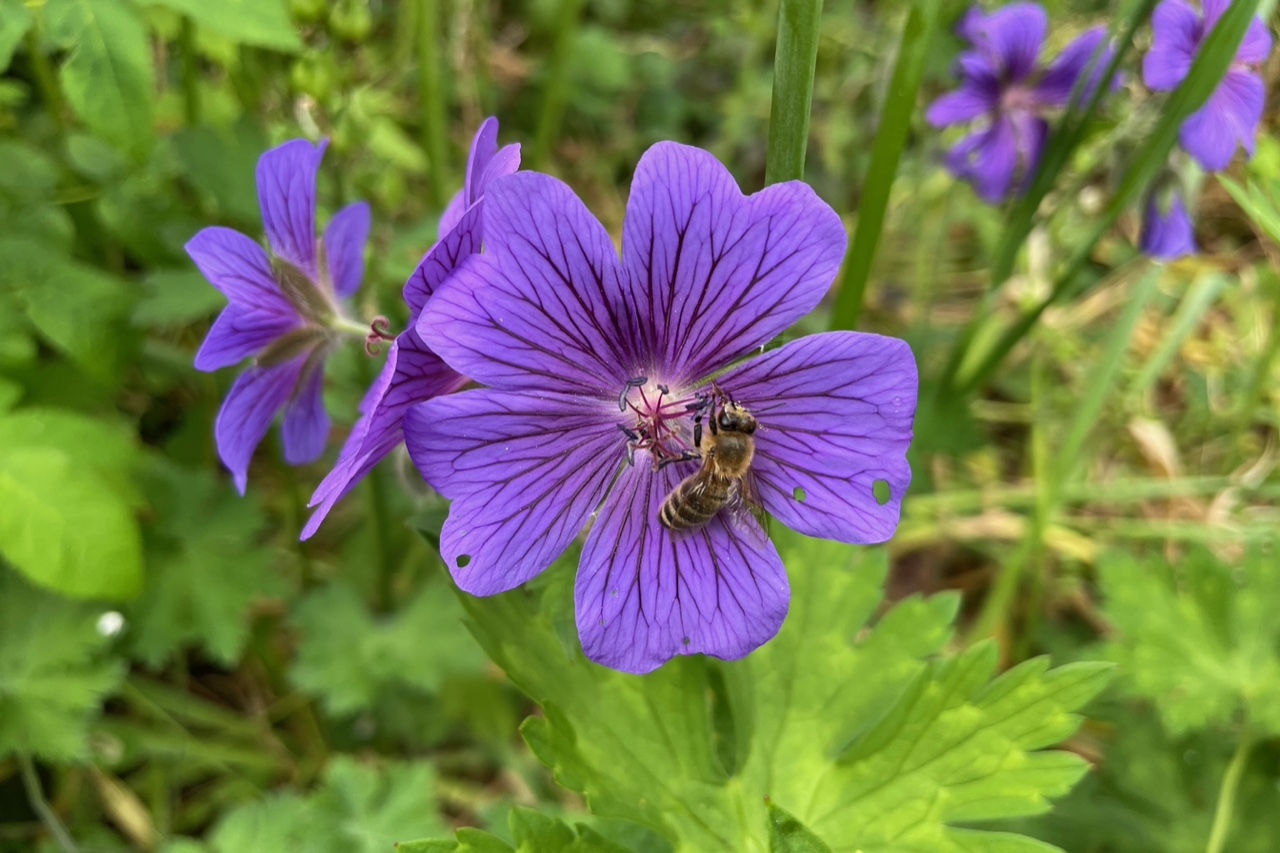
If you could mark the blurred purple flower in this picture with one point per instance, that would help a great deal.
(1167, 231)
(1004, 90)
(1231, 115)
(413, 373)
(593, 364)
(283, 309)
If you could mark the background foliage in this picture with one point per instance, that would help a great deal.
(179, 673)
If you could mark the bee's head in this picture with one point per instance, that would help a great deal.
(734, 418)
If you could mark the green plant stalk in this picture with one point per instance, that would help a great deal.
(35, 796)
(431, 90)
(46, 81)
(1207, 71)
(1189, 312)
(886, 152)
(1257, 389)
(190, 72)
(556, 93)
(1227, 794)
(795, 61)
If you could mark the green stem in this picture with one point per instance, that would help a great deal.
(795, 61)
(46, 81)
(895, 122)
(556, 93)
(190, 71)
(384, 535)
(432, 93)
(1227, 794)
(35, 796)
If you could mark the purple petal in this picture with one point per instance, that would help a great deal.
(287, 194)
(1012, 36)
(645, 594)
(306, 423)
(1213, 10)
(524, 473)
(1256, 46)
(835, 416)
(963, 105)
(1175, 29)
(987, 159)
(1230, 117)
(483, 147)
(438, 264)
(248, 411)
(239, 332)
(711, 274)
(453, 211)
(1167, 235)
(239, 268)
(413, 374)
(539, 309)
(1088, 52)
(344, 241)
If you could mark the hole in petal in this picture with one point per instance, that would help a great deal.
(687, 641)
(798, 494)
(882, 491)
(464, 560)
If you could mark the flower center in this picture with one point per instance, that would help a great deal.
(663, 420)
(1019, 99)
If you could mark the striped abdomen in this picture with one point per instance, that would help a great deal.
(699, 497)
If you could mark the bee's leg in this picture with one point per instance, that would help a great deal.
(697, 432)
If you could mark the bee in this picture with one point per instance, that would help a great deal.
(726, 462)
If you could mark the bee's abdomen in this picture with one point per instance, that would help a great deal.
(694, 502)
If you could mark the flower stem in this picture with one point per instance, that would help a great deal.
(35, 796)
(190, 71)
(1227, 793)
(795, 60)
(556, 91)
(431, 91)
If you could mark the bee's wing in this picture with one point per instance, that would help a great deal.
(746, 510)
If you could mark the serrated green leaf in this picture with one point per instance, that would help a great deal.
(861, 735)
(15, 20)
(264, 23)
(54, 671)
(1200, 638)
(534, 832)
(205, 568)
(349, 657)
(221, 163)
(788, 835)
(538, 833)
(108, 79)
(176, 298)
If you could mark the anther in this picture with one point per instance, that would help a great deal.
(631, 434)
(664, 389)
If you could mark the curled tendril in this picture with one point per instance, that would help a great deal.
(379, 331)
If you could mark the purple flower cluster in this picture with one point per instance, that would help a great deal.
(596, 373)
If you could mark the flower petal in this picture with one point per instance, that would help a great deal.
(1088, 52)
(239, 268)
(248, 411)
(1175, 37)
(1256, 46)
(540, 308)
(287, 194)
(835, 416)
(443, 258)
(1012, 36)
(965, 104)
(711, 274)
(1167, 236)
(239, 332)
(645, 594)
(306, 423)
(524, 473)
(344, 241)
(413, 374)
(1231, 116)
(987, 159)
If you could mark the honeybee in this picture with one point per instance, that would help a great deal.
(726, 454)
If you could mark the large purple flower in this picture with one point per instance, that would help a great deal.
(1231, 115)
(413, 373)
(1006, 94)
(1167, 230)
(283, 309)
(595, 367)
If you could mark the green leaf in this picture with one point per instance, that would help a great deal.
(54, 671)
(263, 23)
(221, 163)
(533, 832)
(1200, 639)
(351, 658)
(538, 833)
(863, 736)
(106, 447)
(788, 835)
(108, 78)
(205, 568)
(15, 20)
(176, 298)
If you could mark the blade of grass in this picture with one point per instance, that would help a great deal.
(795, 60)
(556, 93)
(886, 151)
(1190, 311)
(431, 91)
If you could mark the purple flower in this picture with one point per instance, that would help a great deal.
(283, 309)
(1167, 231)
(1231, 115)
(595, 368)
(413, 373)
(1006, 93)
